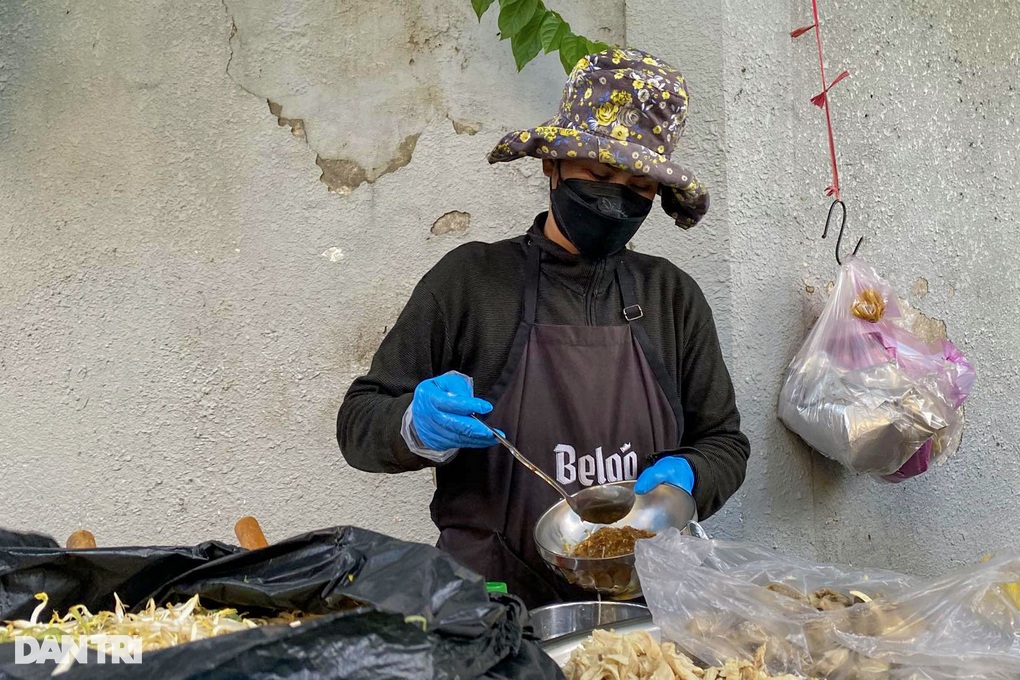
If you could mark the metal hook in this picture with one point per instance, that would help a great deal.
(842, 228)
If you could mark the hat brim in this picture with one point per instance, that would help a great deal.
(684, 197)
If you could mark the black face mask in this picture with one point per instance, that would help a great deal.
(599, 218)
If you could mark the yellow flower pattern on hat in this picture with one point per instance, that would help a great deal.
(620, 97)
(606, 113)
(628, 109)
(620, 132)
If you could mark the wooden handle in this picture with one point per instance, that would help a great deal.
(249, 534)
(80, 540)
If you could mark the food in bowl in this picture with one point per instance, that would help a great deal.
(610, 542)
(560, 530)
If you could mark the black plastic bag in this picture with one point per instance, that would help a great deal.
(29, 540)
(361, 645)
(91, 577)
(530, 663)
(365, 585)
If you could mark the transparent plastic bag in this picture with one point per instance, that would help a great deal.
(867, 392)
(722, 600)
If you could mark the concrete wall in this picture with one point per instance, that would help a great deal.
(213, 211)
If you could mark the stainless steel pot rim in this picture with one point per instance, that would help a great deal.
(590, 603)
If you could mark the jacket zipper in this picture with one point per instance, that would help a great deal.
(589, 292)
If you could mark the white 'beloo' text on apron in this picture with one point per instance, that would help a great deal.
(590, 469)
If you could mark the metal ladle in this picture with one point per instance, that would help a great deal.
(596, 504)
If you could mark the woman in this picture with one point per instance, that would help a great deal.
(600, 363)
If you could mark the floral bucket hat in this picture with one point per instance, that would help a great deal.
(627, 109)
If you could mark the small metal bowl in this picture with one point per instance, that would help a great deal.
(556, 620)
(559, 530)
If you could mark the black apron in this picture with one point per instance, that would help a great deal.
(587, 404)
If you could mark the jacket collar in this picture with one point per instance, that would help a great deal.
(569, 270)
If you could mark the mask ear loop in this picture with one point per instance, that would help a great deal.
(559, 184)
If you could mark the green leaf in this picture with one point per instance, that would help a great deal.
(514, 15)
(481, 6)
(553, 30)
(572, 48)
(527, 43)
(596, 47)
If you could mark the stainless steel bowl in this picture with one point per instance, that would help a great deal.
(556, 620)
(559, 530)
(560, 648)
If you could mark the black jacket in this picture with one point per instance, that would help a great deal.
(463, 314)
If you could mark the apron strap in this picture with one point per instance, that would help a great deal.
(631, 309)
(632, 312)
(532, 273)
(532, 266)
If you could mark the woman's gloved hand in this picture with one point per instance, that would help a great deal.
(441, 414)
(669, 470)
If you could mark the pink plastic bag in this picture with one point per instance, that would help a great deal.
(867, 392)
(959, 382)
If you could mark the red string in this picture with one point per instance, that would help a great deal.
(822, 100)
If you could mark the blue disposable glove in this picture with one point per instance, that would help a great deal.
(672, 470)
(441, 414)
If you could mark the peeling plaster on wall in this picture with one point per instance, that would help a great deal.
(400, 66)
(454, 222)
(462, 127)
(813, 303)
(344, 176)
(296, 125)
(333, 254)
(920, 288)
(275, 54)
(925, 327)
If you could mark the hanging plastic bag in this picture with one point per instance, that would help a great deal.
(867, 392)
(384, 608)
(721, 600)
